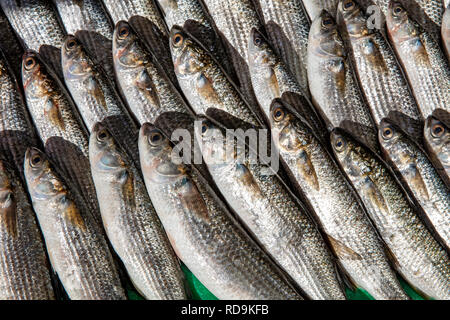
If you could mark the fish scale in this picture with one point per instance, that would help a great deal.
(96, 97)
(423, 62)
(24, 269)
(445, 32)
(416, 254)
(287, 19)
(78, 251)
(334, 203)
(131, 222)
(381, 78)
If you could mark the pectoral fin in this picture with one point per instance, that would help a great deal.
(8, 213)
(307, 170)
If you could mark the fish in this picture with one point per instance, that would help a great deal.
(315, 7)
(205, 84)
(24, 268)
(59, 126)
(333, 88)
(145, 85)
(287, 26)
(234, 20)
(36, 23)
(272, 215)
(445, 32)
(271, 79)
(202, 231)
(192, 16)
(90, 23)
(145, 17)
(131, 223)
(316, 175)
(437, 142)
(416, 254)
(77, 249)
(423, 61)
(96, 97)
(10, 45)
(16, 129)
(380, 76)
(419, 176)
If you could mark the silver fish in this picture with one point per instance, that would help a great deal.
(380, 75)
(272, 215)
(90, 23)
(131, 222)
(78, 251)
(437, 141)
(417, 256)
(423, 61)
(96, 97)
(24, 269)
(202, 231)
(334, 203)
(36, 23)
(315, 7)
(419, 176)
(331, 82)
(287, 26)
(16, 129)
(445, 32)
(10, 45)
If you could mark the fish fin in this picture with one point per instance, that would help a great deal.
(54, 115)
(374, 194)
(345, 278)
(190, 197)
(206, 89)
(392, 258)
(306, 167)
(128, 189)
(73, 215)
(342, 251)
(416, 179)
(227, 120)
(8, 212)
(145, 84)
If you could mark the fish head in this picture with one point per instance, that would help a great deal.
(188, 56)
(341, 144)
(127, 51)
(260, 54)
(213, 143)
(34, 75)
(155, 151)
(104, 154)
(168, 6)
(43, 183)
(324, 38)
(352, 19)
(389, 136)
(280, 116)
(438, 136)
(399, 26)
(74, 59)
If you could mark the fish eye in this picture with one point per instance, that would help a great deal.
(438, 130)
(29, 63)
(102, 135)
(204, 128)
(123, 32)
(388, 133)
(278, 114)
(327, 22)
(71, 44)
(349, 5)
(36, 160)
(177, 40)
(339, 144)
(258, 41)
(155, 138)
(397, 10)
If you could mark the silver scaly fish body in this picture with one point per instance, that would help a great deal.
(36, 23)
(16, 129)
(271, 79)
(315, 7)
(204, 83)
(287, 27)
(419, 176)
(202, 231)
(234, 20)
(380, 75)
(331, 82)
(90, 23)
(417, 256)
(10, 45)
(445, 32)
(423, 61)
(144, 83)
(96, 97)
(59, 127)
(273, 216)
(145, 18)
(77, 249)
(193, 17)
(437, 141)
(24, 269)
(335, 205)
(131, 223)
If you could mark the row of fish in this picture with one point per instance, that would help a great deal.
(350, 109)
